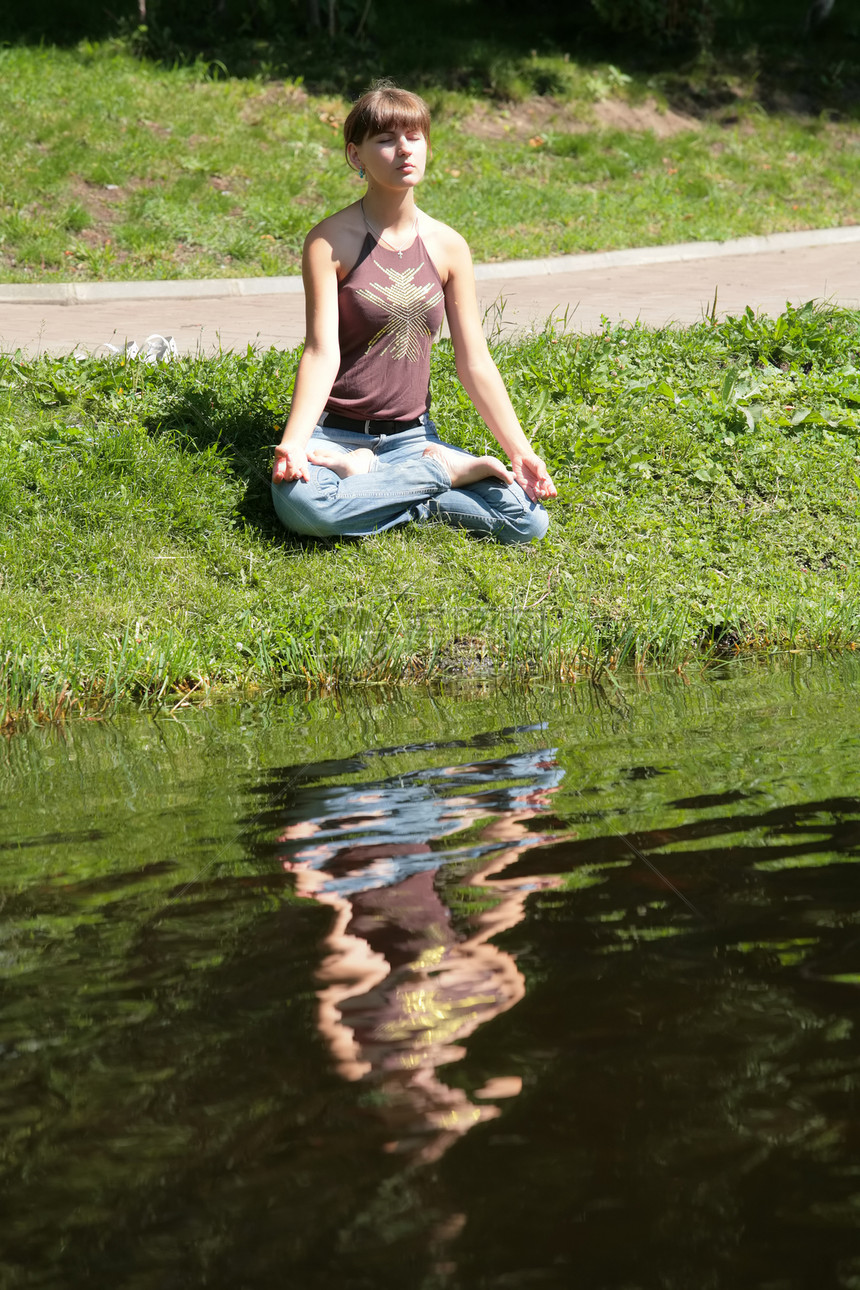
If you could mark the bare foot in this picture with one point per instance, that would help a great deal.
(466, 470)
(344, 464)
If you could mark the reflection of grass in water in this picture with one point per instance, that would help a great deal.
(468, 836)
(805, 862)
(708, 502)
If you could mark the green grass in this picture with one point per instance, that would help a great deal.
(709, 495)
(116, 168)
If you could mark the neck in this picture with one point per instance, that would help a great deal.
(395, 212)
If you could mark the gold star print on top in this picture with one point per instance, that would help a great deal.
(407, 307)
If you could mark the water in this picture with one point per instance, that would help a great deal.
(438, 990)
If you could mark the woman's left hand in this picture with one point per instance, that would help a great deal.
(531, 474)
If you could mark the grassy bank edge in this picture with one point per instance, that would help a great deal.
(158, 679)
(709, 493)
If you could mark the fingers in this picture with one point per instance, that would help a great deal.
(288, 468)
(528, 488)
(533, 477)
(281, 475)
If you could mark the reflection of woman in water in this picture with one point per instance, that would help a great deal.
(401, 987)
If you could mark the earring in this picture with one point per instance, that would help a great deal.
(361, 172)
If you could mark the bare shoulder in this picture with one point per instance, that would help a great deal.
(336, 240)
(448, 249)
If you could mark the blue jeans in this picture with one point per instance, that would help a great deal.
(404, 486)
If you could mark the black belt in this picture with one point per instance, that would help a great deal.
(336, 422)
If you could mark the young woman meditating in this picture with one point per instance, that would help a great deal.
(359, 452)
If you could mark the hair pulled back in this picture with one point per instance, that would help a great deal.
(382, 108)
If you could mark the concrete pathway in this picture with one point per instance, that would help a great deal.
(659, 285)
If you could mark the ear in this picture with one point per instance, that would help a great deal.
(352, 156)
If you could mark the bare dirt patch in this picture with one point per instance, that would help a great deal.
(159, 130)
(103, 202)
(279, 95)
(528, 119)
(522, 120)
(615, 114)
(98, 201)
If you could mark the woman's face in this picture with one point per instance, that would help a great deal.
(394, 158)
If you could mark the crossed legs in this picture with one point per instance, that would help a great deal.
(462, 468)
(360, 486)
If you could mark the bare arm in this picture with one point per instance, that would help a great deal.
(319, 361)
(480, 376)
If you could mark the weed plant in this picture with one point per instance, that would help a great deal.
(709, 495)
(115, 168)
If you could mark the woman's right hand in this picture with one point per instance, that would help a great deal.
(290, 463)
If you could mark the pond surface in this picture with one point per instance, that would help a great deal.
(482, 989)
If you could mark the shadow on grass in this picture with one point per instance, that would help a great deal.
(206, 419)
(201, 421)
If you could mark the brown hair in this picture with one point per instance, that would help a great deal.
(382, 108)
